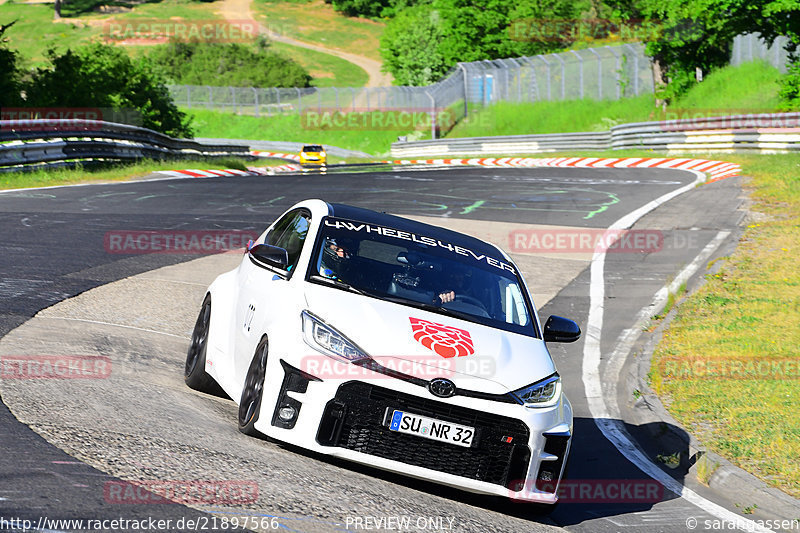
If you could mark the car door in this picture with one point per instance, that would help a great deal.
(265, 291)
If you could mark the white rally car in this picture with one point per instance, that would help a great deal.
(392, 343)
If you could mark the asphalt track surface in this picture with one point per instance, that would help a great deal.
(53, 248)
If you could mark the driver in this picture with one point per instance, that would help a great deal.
(334, 255)
(459, 282)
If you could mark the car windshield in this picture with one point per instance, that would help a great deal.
(421, 271)
(312, 148)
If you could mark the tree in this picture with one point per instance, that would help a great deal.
(9, 81)
(697, 34)
(102, 76)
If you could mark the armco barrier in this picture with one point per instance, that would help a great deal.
(26, 144)
(768, 132)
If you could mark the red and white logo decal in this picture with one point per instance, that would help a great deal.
(446, 341)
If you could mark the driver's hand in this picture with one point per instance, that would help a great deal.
(447, 296)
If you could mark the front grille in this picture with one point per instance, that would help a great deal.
(356, 420)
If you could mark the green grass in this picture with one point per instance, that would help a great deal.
(114, 172)
(290, 128)
(748, 310)
(326, 69)
(35, 31)
(315, 21)
(748, 88)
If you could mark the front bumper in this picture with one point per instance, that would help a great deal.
(514, 446)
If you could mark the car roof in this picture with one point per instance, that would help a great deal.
(360, 214)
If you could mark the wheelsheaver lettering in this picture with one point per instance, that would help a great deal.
(408, 236)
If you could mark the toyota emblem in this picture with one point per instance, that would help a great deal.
(443, 388)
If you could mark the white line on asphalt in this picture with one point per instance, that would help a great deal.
(117, 326)
(612, 428)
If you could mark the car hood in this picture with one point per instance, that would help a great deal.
(429, 345)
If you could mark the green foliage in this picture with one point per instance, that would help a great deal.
(370, 8)
(9, 80)
(102, 76)
(790, 88)
(699, 33)
(227, 64)
(423, 42)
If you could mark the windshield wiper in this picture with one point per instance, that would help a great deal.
(429, 307)
(337, 283)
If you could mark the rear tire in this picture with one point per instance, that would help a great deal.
(194, 373)
(253, 391)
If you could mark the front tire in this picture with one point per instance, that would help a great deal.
(253, 391)
(194, 373)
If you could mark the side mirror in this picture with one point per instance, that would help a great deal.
(559, 329)
(269, 255)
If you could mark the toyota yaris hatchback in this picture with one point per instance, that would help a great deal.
(392, 343)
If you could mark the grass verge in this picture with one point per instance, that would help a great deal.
(113, 172)
(293, 128)
(315, 21)
(745, 319)
(327, 70)
(749, 88)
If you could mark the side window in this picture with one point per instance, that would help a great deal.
(290, 233)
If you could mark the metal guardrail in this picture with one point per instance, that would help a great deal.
(768, 132)
(29, 144)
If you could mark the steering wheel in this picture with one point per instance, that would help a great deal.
(469, 300)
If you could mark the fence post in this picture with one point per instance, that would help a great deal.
(299, 101)
(433, 115)
(547, 68)
(189, 96)
(255, 97)
(580, 73)
(599, 74)
(563, 76)
(466, 89)
(210, 98)
(635, 68)
(336, 92)
(617, 67)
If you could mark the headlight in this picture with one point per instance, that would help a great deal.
(322, 154)
(544, 393)
(327, 340)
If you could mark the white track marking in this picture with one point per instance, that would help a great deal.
(184, 337)
(609, 423)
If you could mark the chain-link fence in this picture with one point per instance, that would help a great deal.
(751, 46)
(601, 73)
(607, 73)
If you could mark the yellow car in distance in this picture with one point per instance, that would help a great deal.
(313, 154)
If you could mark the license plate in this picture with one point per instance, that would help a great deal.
(430, 428)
